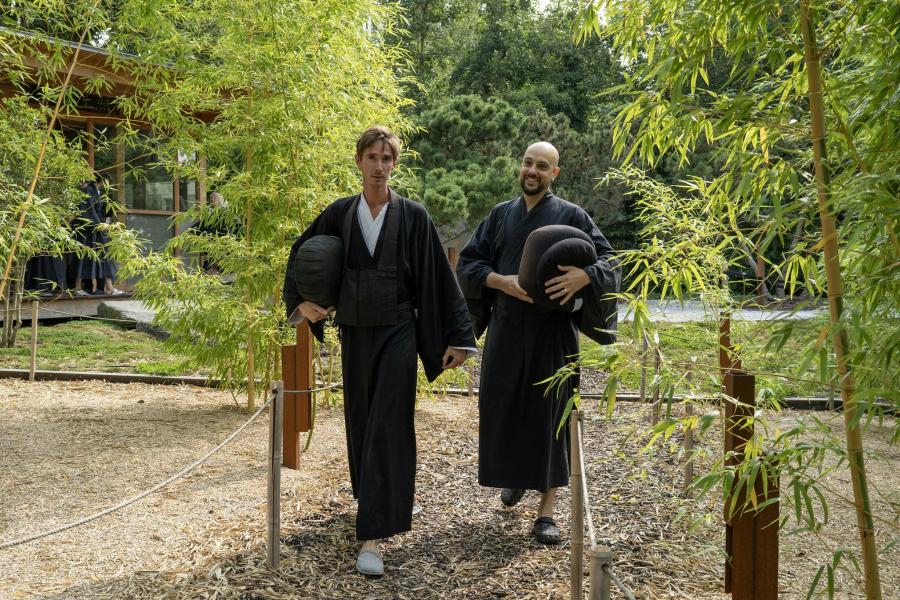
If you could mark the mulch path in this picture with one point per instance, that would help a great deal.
(68, 449)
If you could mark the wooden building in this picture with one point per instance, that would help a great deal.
(150, 195)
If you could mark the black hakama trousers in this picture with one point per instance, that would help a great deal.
(45, 274)
(519, 417)
(379, 403)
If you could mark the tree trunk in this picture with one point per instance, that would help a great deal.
(251, 370)
(782, 289)
(835, 303)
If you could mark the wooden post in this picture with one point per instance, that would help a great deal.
(599, 582)
(577, 563)
(34, 339)
(644, 345)
(273, 500)
(739, 386)
(296, 368)
(727, 357)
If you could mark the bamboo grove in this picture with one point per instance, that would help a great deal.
(804, 126)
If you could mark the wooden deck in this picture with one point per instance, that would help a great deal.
(64, 307)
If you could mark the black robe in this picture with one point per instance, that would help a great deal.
(45, 274)
(86, 234)
(379, 361)
(526, 344)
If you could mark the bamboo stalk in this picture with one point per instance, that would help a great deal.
(657, 363)
(644, 345)
(332, 352)
(40, 159)
(835, 303)
(689, 437)
(251, 371)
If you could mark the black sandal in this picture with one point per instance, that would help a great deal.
(546, 531)
(511, 496)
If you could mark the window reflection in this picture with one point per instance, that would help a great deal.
(148, 186)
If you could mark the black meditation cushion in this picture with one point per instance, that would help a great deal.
(317, 267)
(547, 247)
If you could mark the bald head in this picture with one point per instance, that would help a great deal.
(540, 166)
(544, 150)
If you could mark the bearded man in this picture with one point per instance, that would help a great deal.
(519, 448)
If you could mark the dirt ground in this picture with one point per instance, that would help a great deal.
(69, 449)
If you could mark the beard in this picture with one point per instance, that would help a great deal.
(532, 188)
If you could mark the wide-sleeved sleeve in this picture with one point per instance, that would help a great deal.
(476, 259)
(327, 223)
(598, 317)
(443, 319)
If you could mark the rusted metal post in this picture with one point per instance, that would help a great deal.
(751, 539)
(34, 339)
(273, 500)
(577, 564)
(601, 557)
(297, 371)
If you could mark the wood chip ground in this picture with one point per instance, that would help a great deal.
(68, 449)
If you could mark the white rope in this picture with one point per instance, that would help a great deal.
(622, 587)
(587, 513)
(318, 389)
(142, 495)
(584, 486)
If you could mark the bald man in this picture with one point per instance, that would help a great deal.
(518, 446)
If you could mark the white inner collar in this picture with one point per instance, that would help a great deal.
(369, 225)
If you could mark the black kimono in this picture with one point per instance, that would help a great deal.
(401, 302)
(526, 344)
(87, 234)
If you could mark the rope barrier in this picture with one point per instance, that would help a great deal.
(584, 487)
(318, 389)
(586, 499)
(142, 495)
(622, 587)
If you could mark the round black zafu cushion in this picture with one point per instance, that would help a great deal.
(547, 247)
(317, 269)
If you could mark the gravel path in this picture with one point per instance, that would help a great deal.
(69, 449)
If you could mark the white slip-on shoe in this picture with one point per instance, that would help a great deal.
(370, 562)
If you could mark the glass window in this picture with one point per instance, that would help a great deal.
(187, 193)
(157, 229)
(147, 186)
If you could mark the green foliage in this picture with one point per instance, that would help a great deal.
(755, 124)
(97, 346)
(497, 77)
(278, 93)
(465, 148)
(23, 129)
